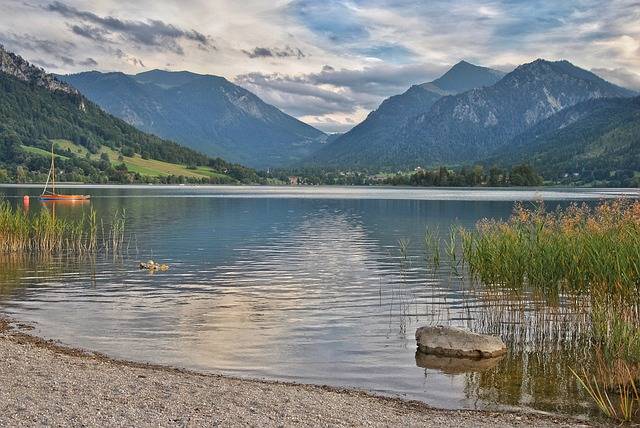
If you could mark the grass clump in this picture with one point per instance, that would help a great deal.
(44, 233)
(576, 250)
(620, 400)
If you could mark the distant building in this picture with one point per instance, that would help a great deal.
(293, 180)
(377, 177)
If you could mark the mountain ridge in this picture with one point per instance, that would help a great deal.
(414, 101)
(205, 112)
(471, 125)
(16, 66)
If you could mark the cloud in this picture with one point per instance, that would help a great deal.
(288, 51)
(330, 125)
(336, 91)
(89, 62)
(380, 79)
(90, 32)
(620, 76)
(56, 51)
(44, 64)
(296, 95)
(371, 48)
(67, 61)
(333, 20)
(152, 33)
(29, 42)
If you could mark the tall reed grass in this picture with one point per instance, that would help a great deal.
(579, 251)
(582, 258)
(45, 233)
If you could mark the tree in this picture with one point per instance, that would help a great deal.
(496, 177)
(9, 143)
(524, 175)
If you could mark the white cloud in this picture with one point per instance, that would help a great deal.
(620, 76)
(278, 48)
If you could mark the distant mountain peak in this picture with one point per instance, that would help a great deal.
(564, 68)
(470, 124)
(464, 76)
(382, 126)
(463, 65)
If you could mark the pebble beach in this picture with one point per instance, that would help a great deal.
(47, 384)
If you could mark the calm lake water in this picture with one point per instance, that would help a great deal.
(301, 284)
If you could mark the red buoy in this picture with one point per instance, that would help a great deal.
(25, 199)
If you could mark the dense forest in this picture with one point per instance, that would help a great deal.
(520, 175)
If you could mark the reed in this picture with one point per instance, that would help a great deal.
(575, 250)
(432, 247)
(580, 261)
(581, 252)
(620, 401)
(44, 233)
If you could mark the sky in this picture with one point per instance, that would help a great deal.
(330, 62)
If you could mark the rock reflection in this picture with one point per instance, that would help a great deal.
(450, 365)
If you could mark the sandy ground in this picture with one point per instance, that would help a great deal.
(45, 384)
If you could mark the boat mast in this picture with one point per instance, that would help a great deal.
(53, 170)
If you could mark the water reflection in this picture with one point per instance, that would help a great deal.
(312, 290)
(537, 380)
(450, 365)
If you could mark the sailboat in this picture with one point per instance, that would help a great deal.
(51, 195)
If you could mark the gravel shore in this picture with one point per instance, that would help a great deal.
(44, 384)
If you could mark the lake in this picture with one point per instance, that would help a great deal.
(320, 285)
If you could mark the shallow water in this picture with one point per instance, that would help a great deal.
(303, 284)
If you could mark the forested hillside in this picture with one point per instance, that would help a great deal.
(594, 142)
(35, 109)
(203, 112)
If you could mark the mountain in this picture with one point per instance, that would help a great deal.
(463, 77)
(36, 109)
(596, 140)
(472, 125)
(207, 113)
(395, 112)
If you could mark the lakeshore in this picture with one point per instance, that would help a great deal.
(45, 383)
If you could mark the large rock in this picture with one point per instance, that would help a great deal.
(458, 342)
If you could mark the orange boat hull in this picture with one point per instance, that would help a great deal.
(65, 197)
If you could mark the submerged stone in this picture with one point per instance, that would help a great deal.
(458, 342)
